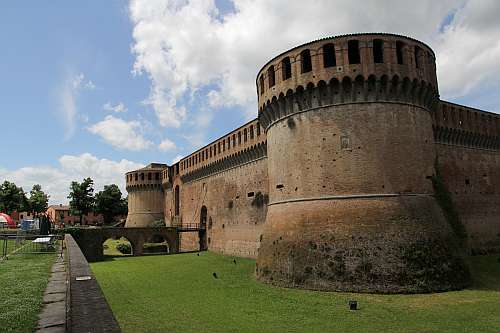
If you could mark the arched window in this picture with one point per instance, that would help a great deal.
(378, 51)
(305, 61)
(234, 140)
(245, 135)
(417, 52)
(150, 176)
(251, 132)
(286, 68)
(329, 59)
(399, 52)
(261, 84)
(142, 176)
(239, 138)
(270, 75)
(353, 52)
(210, 151)
(218, 147)
(223, 145)
(258, 129)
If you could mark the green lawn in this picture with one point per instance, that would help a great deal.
(110, 247)
(178, 293)
(23, 279)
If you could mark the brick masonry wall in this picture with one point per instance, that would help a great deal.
(317, 235)
(473, 178)
(234, 225)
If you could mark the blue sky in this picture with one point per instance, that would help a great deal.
(96, 88)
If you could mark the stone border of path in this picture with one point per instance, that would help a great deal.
(73, 300)
(53, 317)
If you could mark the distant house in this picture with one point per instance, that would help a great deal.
(19, 216)
(61, 214)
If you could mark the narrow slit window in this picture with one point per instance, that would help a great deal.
(305, 61)
(286, 68)
(329, 59)
(378, 51)
(353, 52)
(261, 85)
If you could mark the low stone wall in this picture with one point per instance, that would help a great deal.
(89, 311)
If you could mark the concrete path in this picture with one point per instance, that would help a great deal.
(52, 319)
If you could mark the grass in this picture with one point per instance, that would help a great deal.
(110, 247)
(177, 293)
(23, 279)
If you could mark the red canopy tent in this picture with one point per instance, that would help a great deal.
(6, 219)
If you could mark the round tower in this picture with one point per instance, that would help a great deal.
(145, 195)
(350, 118)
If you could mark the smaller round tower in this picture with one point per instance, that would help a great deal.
(145, 195)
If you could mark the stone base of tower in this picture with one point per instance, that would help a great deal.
(398, 244)
(141, 220)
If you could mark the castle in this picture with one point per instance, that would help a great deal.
(354, 176)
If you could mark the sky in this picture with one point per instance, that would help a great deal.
(98, 88)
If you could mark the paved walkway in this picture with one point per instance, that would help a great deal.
(52, 319)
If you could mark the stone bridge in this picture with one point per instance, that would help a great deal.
(91, 240)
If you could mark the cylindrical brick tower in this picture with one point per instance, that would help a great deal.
(350, 117)
(145, 195)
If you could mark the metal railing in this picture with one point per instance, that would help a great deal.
(188, 226)
(27, 243)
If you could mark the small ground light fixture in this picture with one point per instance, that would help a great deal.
(353, 305)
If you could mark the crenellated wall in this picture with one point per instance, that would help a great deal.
(235, 203)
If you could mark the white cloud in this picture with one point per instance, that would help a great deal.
(79, 82)
(55, 181)
(167, 145)
(67, 95)
(118, 108)
(469, 49)
(177, 159)
(121, 134)
(186, 46)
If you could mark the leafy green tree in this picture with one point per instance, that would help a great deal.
(109, 203)
(38, 200)
(12, 198)
(81, 198)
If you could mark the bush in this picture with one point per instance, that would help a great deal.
(124, 248)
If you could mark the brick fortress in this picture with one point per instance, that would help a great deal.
(354, 176)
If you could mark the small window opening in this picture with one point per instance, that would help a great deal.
(250, 194)
(417, 56)
(353, 52)
(305, 61)
(261, 85)
(286, 68)
(150, 176)
(329, 59)
(378, 51)
(280, 186)
(399, 52)
(270, 75)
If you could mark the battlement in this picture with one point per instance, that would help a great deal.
(465, 126)
(238, 142)
(347, 57)
(149, 176)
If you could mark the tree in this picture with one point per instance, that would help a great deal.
(81, 198)
(38, 200)
(109, 203)
(12, 198)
